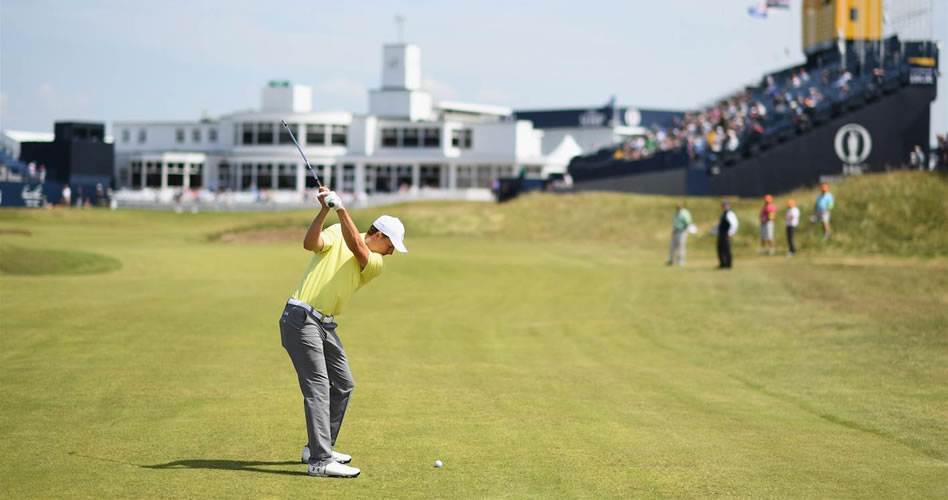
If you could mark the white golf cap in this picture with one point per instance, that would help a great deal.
(394, 229)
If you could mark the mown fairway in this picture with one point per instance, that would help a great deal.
(540, 349)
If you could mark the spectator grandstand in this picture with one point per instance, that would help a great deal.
(784, 105)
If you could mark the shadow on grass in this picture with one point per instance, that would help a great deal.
(242, 465)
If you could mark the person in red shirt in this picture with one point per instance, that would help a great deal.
(767, 216)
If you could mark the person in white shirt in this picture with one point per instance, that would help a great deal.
(793, 220)
(727, 227)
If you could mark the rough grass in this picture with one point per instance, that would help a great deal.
(902, 214)
(543, 351)
(37, 261)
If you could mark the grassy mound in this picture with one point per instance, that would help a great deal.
(897, 213)
(32, 261)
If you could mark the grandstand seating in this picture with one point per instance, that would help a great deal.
(785, 105)
(12, 163)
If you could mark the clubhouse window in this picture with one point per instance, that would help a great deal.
(142, 135)
(465, 177)
(175, 174)
(179, 136)
(310, 180)
(265, 176)
(264, 133)
(225, 176)
(194, 175)
(285, 134)
(432, 137)
(126, 135)
(410, 137)
(153, 174)
(246, 133)
(212, 135)
(315, 134)
(136, 169)
(286, 176)
(196, 135)
(461, 138)
(389, 137)
(339, 134)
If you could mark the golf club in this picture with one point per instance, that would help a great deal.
(318, 182)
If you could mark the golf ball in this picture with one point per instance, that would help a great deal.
(438, 463)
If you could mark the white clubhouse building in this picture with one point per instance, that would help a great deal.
(404, 143)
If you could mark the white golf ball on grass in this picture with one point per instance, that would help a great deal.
(438, 463)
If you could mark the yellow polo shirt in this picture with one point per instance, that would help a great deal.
(333, 274)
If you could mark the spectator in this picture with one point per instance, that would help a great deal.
(792, 221)
(843, 79)
(771, 86)
(942, 151)
(821, 212)
(67, 196)
(917, 158)
(732, 141)
(768, 213)
(42, 173)
(680, 226)
(100, 195)
(726, 228)
(878, 77)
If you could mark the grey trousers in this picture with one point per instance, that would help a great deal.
(678, 240)
(324, 376)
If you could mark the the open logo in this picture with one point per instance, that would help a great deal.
(853, 144)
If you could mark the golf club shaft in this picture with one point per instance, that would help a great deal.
(310, 167)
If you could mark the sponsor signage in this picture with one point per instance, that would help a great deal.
(599, 117)
(28, 194)
(921, 76)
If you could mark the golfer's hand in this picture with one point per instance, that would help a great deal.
(322, 194)
(332, 200)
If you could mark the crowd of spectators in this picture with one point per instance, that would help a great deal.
(740, 121)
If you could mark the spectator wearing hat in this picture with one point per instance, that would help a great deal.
(821, 212)
(679, 235)
(726, 228)
(768, 214)
(792, 221)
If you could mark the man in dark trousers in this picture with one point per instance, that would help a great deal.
(727, 226)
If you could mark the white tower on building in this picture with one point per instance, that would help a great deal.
(401, 95)
(283, 96)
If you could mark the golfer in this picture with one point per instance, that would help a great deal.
(343, 261)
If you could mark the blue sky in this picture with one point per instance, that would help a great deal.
(109, 60)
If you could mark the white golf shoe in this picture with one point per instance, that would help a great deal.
(333, 469)
(336, 456)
